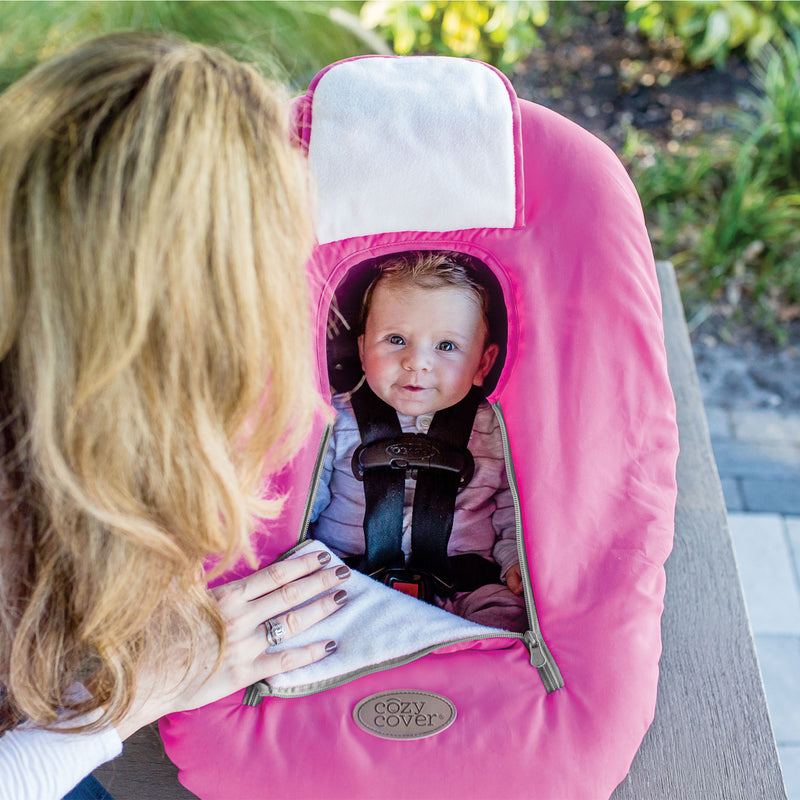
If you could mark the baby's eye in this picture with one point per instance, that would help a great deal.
(446, 346)
(395, 338)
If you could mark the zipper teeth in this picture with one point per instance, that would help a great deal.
(315, 478)
(332, 683)
(548, 669)
(530, 603)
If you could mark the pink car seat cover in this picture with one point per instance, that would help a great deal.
(591, 423)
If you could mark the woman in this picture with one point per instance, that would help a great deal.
(152, 362)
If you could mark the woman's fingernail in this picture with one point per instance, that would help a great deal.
(331, 647)
(324, 558)
(340, 597)
(342, 572)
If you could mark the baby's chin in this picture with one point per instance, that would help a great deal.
(412, 409)
(414, 406)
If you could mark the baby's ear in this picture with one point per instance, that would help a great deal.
(361, 348)
(486, 363)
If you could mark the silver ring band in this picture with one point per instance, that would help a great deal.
(276, 633)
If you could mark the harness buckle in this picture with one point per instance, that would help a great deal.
(412, 452)
(415, 583)
(411, 582)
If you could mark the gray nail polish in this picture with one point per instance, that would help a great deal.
(331, 647)
(340, 597)
(342, 572)
(324, 558)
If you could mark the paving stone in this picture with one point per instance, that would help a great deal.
(753, 411)
(779, 658)
(771, 495)
(719, 425)
(733, 494)
(763, 460)
(767, 573)
(790, 766)
(759, 426)
(747, 375)
(793, 528)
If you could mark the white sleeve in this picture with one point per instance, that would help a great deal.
(44, 765)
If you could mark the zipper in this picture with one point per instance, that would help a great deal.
(256, 692)
(540, 654)
(315, 478)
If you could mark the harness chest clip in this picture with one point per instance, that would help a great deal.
(411, 452)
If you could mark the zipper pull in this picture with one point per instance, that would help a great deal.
(543, 660)
(256, 692)
(538, 657)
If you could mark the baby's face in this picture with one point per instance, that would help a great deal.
(423, 349)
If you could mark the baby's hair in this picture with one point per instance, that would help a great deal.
(429, 269)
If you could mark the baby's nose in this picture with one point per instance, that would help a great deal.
(416, 359)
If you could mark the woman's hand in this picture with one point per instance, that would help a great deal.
(273, 593)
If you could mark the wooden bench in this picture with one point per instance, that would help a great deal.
(711, 738)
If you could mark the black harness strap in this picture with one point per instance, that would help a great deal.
(384, 487)
(435, 495)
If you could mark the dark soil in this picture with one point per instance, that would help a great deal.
(608, 78)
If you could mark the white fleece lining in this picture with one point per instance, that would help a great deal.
(375, 625)
(411, 144)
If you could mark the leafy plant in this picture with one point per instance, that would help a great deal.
(727, 212)
(496, 31)
(712, 29)
(777, 107)
(288, 39)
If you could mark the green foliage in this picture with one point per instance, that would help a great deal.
(498, 32)
(727, 212)
(776, 137)
(288, 39)
(711, 29)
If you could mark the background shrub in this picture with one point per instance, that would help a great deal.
(290, 40)
(723, 206)
(498, 32)
(710, 30)
(726, 207)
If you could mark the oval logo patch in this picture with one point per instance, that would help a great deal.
(404, 714)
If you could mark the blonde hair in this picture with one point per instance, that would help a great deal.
(152, 236)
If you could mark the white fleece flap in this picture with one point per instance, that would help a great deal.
(375, 625)
(411, 144)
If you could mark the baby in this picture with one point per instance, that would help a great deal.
(425, 343)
